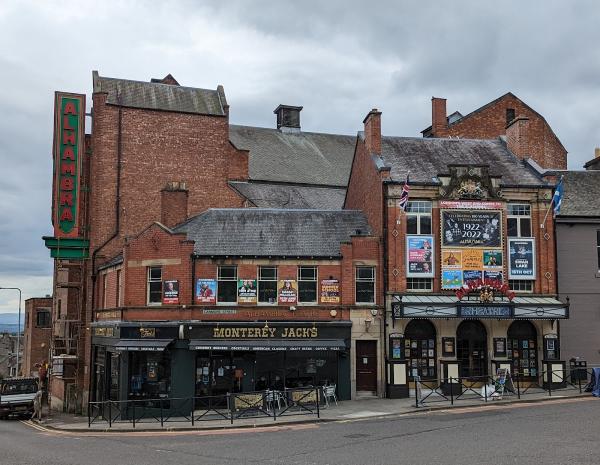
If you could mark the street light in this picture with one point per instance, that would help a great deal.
(19, 326)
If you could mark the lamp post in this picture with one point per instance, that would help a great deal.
(19, 325)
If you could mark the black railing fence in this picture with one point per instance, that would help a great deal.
(230, 407)
(489, 388)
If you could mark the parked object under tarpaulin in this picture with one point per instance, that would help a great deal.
(594, 385)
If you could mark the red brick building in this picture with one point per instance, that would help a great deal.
(37, 334)
(493, 120)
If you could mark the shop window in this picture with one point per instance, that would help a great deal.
(365, 285)
(307, 284)
(522, 348)
(418, 217)
(149, 375)
(519, 220)
(518, 285)
(419, 284)
(227, 285)
(420, 349)
(43, 318)
(267, 284)
(154, 296)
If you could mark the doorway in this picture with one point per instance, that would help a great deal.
(471, 349)
(366, 366)
(522, 348)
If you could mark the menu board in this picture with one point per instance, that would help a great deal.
(419, 257)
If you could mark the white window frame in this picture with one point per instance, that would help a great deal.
(518, 217)
(260, 279)
(415, 280)
(373, 280)
(521, 283)
(149, 280)
(316, 281)
(219, 279)
(424, 208)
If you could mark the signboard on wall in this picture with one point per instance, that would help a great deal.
(419, 257)
(521, 263)
(69, 133)
(206, 291)
(330, 291)
(247, 291)
(288, 291)
(171, 292)
(463, 228)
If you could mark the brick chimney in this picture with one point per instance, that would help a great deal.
(517, 138)
(174, 204)
(372, 124)
(594, 163)
(439, 121)
(168, 79)
(288, 118)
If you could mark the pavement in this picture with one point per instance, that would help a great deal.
(344, 411)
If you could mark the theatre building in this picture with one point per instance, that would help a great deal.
(470, 272)
(237, 300)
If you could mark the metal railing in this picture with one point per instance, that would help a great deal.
(229, 407)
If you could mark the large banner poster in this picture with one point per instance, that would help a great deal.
(288, 291)
(247, 291)
(171, 292)
(521, 254)
(462, 228)
(206, 291)
(419, 257)
(330, 291)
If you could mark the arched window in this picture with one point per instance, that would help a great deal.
(471, 349)
(420, 349)
(522, 348)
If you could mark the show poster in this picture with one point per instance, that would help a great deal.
(330, 291)
(206, 291)
(472, 259)
(472, 275)
(171, 292)
(521, 254)
(247, 291)
(452, 259)
(452, 279)
(288, 291)
(463, 228)
(492, 259)
(492, 276)
(419, 257)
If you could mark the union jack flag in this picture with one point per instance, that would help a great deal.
(403, 202)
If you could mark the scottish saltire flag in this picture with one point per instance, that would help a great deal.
(403, 202)
(558, 195)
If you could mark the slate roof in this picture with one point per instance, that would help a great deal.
(267, 232)
(272, 195)
(581, 195)
(295, 157)
(158, 96)
(428, 157)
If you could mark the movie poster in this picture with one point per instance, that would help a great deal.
(463, 228)
(247, 291)
(521, 254)
(330, 291)
(206, 291)
(419, 257)
(171, 292)
(288, 291)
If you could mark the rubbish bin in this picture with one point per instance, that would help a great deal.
(578, 369)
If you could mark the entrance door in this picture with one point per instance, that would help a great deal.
(366, 366)
(471, 349)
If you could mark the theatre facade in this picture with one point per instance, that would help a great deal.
(469, 260)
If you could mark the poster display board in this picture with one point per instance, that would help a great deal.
(521, 263)
(247, 291)
(463, 228)
(171, 292)
(419, 257)
(330, 291)
(206, 291)
(288, 291)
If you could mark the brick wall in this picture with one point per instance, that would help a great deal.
(36, 339)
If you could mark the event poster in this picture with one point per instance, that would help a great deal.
(206, 291)
(419, 257)
(452, 279)
(330, 291)
(492, 259)
(472, 259)
(521, 254)
(452, 259)
(472, 275)
(171, 292)
(463, 228)
(247, 291)
(288, 291)
(492, 276)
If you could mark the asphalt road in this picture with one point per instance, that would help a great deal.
(564, 432)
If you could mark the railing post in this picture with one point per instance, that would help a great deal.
(579, 381)
(318, 401)
(133, 409)
(485, 388)
(161, 413)
(231, 405)
(110, 414)
(451, 391)
(416, 392)
(89, 415)
(273, 405)
(550, 381)
(518, 387)
(193, 410)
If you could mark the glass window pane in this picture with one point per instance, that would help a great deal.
(227, 291)
(365, 291)
(525, 227)
(512, 227)
(307, 291)
(411, 224)
(364, 272)
(155, 292)
(307, 273)
(425, 224)
(267, 292)
(155, 273)
(227, 272)
(268, 272)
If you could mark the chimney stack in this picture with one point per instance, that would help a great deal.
(439, 120)
(517, 138)
(372, 124)
(288, 118)
(174, 204)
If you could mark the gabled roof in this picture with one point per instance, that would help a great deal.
(291, 196)
(425, 158)
(295, 157)
(581, 194)
(159, 96)
(263, 232)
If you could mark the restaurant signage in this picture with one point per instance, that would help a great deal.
(265, 332)
(69, 128)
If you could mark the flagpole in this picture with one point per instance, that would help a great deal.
(547, 212)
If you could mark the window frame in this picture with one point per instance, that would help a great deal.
(40, 311)
(362, 280)
(315, 281)
(260, 279)
(234, 280)
(423, 209)
(523, 284)
(149, 281)
(518, 217)
(415, 281)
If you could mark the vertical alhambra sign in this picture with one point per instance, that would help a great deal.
(69, 127)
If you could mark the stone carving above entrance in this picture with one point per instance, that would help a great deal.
(469, 182)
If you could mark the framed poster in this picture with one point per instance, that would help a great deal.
(247, 291)
(499, 347)
(448, 347)
(171, 292)
(288, 291)
(492, 259)
(206, 291)
(419, 257)
(521, 263)
(452, 259)
(452, 279)
(471, 228)
(472, 275)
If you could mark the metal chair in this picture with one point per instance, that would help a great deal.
(329, 392)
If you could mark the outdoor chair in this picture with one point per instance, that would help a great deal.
(329, 392)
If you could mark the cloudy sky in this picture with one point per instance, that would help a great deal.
(336, 58)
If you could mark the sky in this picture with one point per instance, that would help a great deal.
(338, 59)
